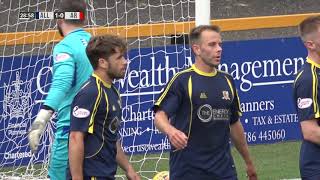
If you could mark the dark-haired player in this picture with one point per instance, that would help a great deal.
(203, 107)
(94, 145)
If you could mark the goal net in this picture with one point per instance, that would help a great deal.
(154, 32)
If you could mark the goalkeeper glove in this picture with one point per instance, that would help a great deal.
(37, 128)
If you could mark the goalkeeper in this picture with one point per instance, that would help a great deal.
(71, 68)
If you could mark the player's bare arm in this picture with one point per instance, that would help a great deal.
(123, 162)
(177, 138)
(238, 138)
(76, 154)
(311, 131)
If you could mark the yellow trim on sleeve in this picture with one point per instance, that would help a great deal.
(315, 91)
(239, 107)
(95, 109)
(314, 65)
(191, 105)
(163, 95)
(104, 122)
(234, 95)
(230, 86)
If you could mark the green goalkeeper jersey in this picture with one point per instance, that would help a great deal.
(71, 68)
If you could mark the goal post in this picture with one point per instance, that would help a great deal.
(202, 9)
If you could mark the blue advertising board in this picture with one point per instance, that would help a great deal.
(263, 70)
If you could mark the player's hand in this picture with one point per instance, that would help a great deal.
(77, 177)
(251, 172)
(177, 138)
(132, 175)
(37, 128)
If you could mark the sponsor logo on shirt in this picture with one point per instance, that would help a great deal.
(80, 112)
(203, 95)
(304, 103)
(61, 57)
(206, 114)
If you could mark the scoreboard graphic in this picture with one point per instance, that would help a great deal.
(52, 15)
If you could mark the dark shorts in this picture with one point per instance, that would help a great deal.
(95, 178)
(203, 178)
(315, 177)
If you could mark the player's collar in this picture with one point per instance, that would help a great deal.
(204, 73)
(76, 30)
(103, 82)
(309, 60)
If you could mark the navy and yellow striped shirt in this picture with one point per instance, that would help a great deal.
(306, 98)
(96, 111)
(203, 106)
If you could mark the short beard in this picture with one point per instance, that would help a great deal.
(211, 65)
(115, 76)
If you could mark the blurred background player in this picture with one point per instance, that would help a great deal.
(94, 144)
(71, 68)
(306, 97)
(203, 106)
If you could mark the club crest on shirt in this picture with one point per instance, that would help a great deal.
(225, 95)
(304, 103)
(114, 125)
(80, 112)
